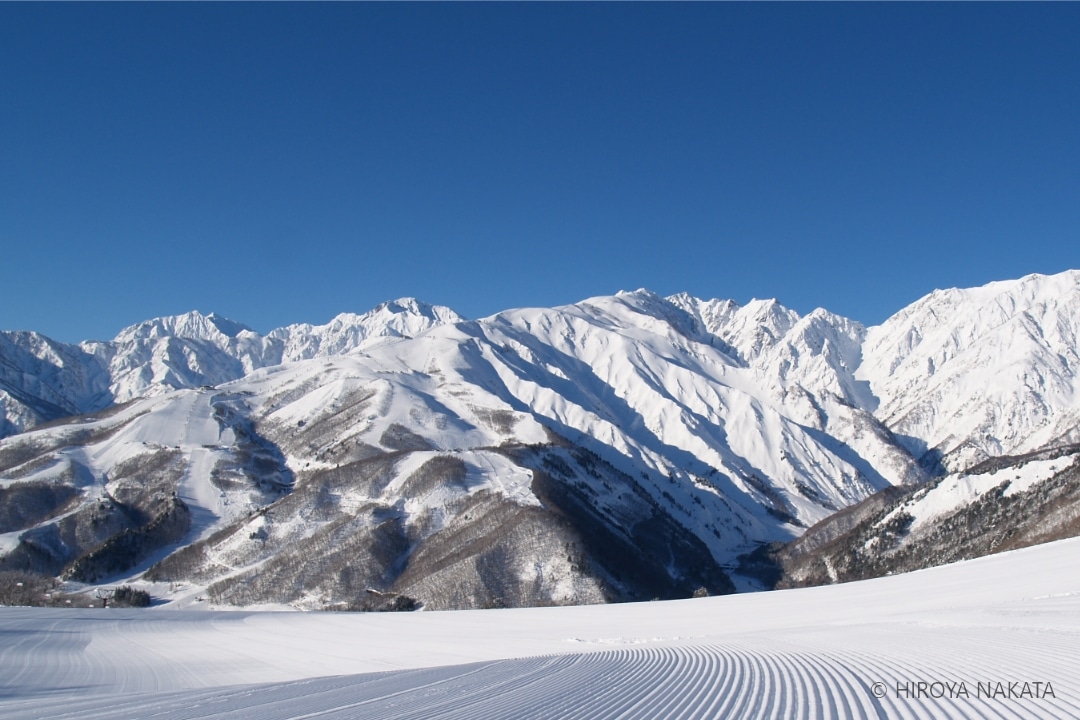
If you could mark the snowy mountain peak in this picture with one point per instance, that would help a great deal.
(193, 325)
(349, 332)
(229, 328)
(649, 304)
(412, 306)
(413, 316)
(643, 293)
(713, 315)
(771, 313)
(756, 327)
(969, 374)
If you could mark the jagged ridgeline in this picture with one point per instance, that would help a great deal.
(624, 447)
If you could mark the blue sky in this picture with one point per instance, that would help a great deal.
(282, 163)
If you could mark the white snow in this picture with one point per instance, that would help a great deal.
(9, 541)
(1010, 618)
(956, 491)
(983, 371)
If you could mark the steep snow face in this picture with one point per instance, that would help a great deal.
(748, 331)
(713, 315)
(963, 375)
(637, 373)
(816, 354)
(809, 374)
(803, 366)
(156, 365)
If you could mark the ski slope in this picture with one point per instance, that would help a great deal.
(974, 633)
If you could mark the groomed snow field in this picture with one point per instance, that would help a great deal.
(994, 637)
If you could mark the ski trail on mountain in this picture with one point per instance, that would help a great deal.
(198, 438)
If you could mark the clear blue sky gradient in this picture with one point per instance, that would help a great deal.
(280, 163)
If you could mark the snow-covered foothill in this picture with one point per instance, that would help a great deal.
(961, 489)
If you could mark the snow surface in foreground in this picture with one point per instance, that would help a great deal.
(988, 625)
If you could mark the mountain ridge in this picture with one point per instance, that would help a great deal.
(174, 352)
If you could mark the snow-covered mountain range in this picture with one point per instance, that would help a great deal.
(42, 380)
(624, 446)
